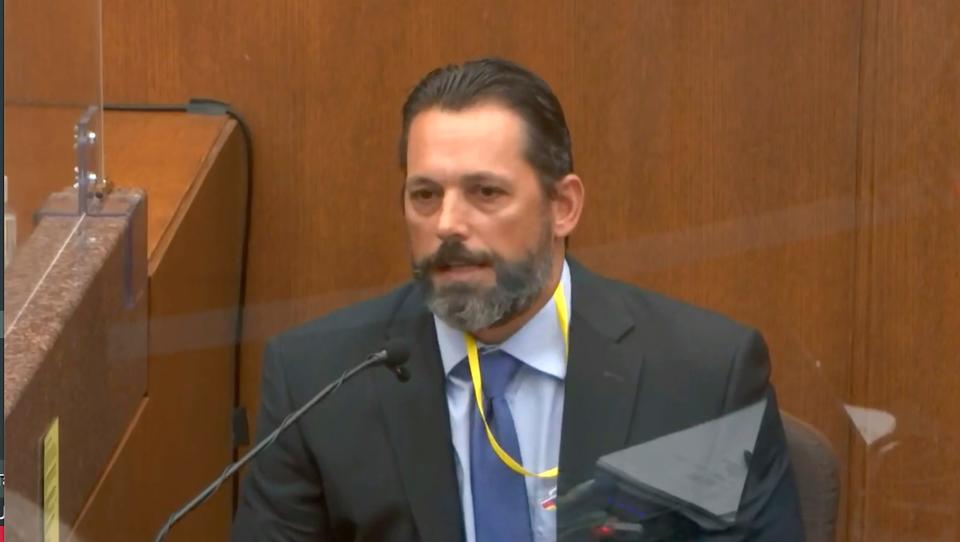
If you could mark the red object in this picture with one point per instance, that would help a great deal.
(603, 531)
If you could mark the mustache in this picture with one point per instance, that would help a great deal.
(454, 252)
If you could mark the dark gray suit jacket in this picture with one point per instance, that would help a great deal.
(375, 460)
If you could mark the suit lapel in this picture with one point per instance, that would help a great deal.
(418, 424)
(602, 378)
(600, 389)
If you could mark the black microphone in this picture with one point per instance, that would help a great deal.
(397, 351)
(393, 355)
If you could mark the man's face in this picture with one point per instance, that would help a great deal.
(478, 220)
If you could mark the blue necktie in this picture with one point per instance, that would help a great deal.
(500, 509)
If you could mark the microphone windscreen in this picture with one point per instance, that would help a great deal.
(398, 350)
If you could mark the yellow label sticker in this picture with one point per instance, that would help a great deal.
(51, 483)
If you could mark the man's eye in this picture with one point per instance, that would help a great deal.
(422, 194)
(489, 191)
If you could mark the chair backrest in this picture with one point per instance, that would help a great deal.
(816, 470)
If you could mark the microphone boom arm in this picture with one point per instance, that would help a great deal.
(393, 358)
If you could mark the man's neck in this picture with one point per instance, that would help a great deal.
(500, 333)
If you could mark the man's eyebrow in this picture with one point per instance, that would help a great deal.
(480, 176)
(420, 179)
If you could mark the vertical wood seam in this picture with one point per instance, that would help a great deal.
(858, 386)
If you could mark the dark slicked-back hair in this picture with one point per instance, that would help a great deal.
(455, 88)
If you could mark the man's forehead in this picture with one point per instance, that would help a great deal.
(486, 120)
(450, 144)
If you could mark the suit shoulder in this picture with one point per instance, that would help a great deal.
(684, 326)
(692, 351)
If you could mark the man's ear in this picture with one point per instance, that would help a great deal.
(567, 204)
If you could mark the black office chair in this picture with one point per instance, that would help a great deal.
(817, 471)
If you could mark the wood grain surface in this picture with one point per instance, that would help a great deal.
(51, 52)
(909, 347)
(791, 164)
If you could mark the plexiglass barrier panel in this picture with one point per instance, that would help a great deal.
(793, 166)
(54, 255)
(52, 105)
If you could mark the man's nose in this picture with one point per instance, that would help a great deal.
(452, 220)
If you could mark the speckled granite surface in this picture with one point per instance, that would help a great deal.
(70, 287)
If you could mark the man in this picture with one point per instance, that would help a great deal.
(523, 363)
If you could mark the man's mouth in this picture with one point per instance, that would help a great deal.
(458, 268)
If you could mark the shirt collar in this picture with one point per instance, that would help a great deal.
(539, 343)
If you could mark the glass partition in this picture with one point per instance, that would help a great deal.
(764, 279)
(70, 277)
(53, 132)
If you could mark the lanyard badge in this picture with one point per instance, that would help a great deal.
(474, 361)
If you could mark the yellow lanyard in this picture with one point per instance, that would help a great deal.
(474, 358)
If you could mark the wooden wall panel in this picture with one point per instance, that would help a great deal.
(51, 52)
(719, 151)
(908, 363)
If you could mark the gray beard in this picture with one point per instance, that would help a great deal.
(472, 308)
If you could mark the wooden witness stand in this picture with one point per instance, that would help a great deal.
(168, 428)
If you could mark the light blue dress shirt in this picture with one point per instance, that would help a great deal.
(535, 397)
